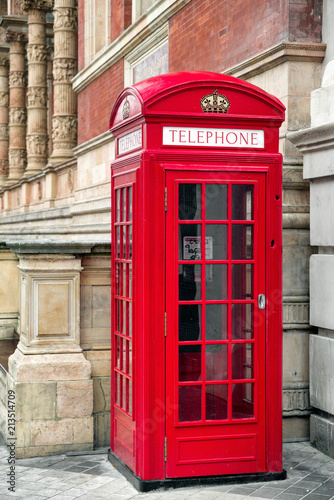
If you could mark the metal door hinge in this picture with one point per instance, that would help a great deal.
(165, 450)
(165, 199)
(165, 324)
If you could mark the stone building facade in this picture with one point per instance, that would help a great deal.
(62, 65)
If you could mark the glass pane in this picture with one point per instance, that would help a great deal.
(117, 315)
(117, 278)
(216, 402)
(190, 282)
(190, 363)
(189, 322)
(117, 389)
(130, 281)
(130, 320)
(124, 204)
(130, 397)
(190, 242)
(216, 282)
(242, 202)
(242, 361)
(118, 352)
(123, 317)
(216, 362)
(216, 241)
(129, 242)
(127, 395)
(124, 291)
(242, 321)
(129, 203)
(242, 281)
(216, 202)
(118, 242)
(118, 205)
(242, 400)
(123, 394)
(124, 356)
(190, 201)
(124, 242)
(130, 359)
(242, 242)
(190, 399)
(216, 322)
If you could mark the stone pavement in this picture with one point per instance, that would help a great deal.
(92, 477)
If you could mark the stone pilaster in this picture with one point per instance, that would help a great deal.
(64, 123)
(37, 128)
(48, 371)
(17, 106)
(4, 137)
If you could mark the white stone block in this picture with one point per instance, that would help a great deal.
(321, 373)
(322, 292)
(322, 211)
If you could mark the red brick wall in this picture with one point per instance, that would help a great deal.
(81, 35)
(96, 101)
(214, 35)
(121, 15)
(305, 20)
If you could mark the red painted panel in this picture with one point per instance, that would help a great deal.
(124, 435)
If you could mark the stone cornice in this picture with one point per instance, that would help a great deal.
(157, 15)
(94, 143)
(50, 247)
(285, 51)
(18, 24)
(314, 138)
(26, 5)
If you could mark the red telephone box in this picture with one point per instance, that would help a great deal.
(197, 308)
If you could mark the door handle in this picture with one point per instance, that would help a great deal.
(262, 301)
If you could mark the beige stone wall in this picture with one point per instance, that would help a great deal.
(9, 294)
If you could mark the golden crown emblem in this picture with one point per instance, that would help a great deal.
(215, 103)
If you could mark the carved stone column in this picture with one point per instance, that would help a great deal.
(64, 123)
(37, 133)
(17, 106)
(4, 101)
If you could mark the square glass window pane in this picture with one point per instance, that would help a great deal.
(216, 361)
(216, 201)
(190, 282)
(117, 315)
(190, 201)
(124, 242)
(130, 203)
(123, 353)
(118, 205)
(242, 242)
(130, 398)
(124, 318)
(189, 322)
(190, 242)
(216, 397)
(190, 403)
(216, 322)
(242, 281)
(124, 291)
(130, 319)
(124, 204)
(190, 363)
(216, 282)
(242, 401)
(123, 394)
(242, 202)
(129, 248)
(242, 361)
(118, 242)
(216, 241)
(242, 321)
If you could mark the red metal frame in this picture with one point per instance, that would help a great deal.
(138, 439)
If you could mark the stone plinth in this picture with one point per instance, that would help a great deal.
(9, 294)
(48, 371)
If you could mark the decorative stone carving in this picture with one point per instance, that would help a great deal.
(37, 145)
(65, 18)
(4, 135)
(26, 5)
(17, 116)
(37, 96)
(13, 36)
(64, 127)
(18, 158)
(64, 70)
(4, 99)
(296, 401)
(4, 167)
(17, 79)
(37, 53)
(4, 61)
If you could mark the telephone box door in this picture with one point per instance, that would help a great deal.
(216, 323)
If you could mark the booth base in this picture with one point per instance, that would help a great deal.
(184, 482)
